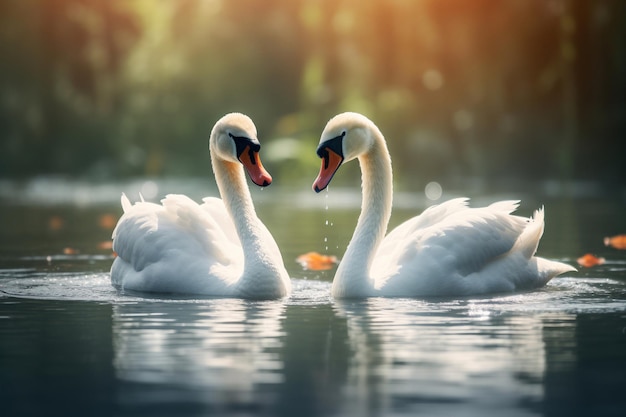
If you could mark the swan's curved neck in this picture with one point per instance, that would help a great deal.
(231, 182)
(353, 275)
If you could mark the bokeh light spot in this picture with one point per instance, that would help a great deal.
(432, 79)
(433, 191)
(149, 190)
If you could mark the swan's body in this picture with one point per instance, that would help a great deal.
(449, 250)
(218, 248)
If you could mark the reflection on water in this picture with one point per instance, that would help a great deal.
(416, 359)
(373, 355)
(541, 352)
(215, 352)
(226, 355)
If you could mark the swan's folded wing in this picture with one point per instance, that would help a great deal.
(385, 263)
(149, 233)
(457, 245)
(432, 216)
(216, 210)
(470, 241)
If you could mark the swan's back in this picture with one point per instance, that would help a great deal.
(452, 249)
(176, 247)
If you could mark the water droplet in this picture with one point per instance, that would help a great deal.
(326, 199)
(326, 222)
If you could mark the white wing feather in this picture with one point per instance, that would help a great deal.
(156, 243)
(452, 249)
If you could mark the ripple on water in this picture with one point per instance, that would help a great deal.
(572, 295)
(31, 283)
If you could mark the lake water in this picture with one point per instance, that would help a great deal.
(71, 345)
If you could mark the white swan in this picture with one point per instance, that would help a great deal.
(448, 250)
(219, 248)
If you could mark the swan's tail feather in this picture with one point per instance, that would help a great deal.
(126, 204)
(507, 206)
(528, 242)
(549, 269)
(530, 237)
(536, 225)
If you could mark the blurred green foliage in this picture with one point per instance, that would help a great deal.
(113, 88)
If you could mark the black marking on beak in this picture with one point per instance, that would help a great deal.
(335, 144)
(242, 142)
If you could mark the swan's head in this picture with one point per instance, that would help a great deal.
(345, 137)
(234, 139)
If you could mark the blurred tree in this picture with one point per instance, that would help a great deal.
(516, 88)
(59, 82)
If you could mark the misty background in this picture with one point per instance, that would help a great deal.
(511, 90)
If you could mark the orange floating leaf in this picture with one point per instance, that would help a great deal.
(314, 261)
(70, 251)
(618, 242)
(56, 223)
(107, 221)
(105, 245)
(588, 260)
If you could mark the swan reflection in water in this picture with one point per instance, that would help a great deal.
(347, 357)
(230, 354)
(412, 354)
(220, 349)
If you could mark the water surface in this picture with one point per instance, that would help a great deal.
(70, 344)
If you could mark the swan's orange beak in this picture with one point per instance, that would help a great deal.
(331, 161)
(251, 161)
